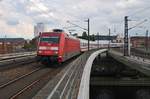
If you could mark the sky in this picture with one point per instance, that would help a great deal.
(18, 17)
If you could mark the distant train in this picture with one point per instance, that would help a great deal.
(59, 46)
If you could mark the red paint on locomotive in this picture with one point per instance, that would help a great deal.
(57, 46)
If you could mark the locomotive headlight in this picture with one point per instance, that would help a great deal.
(42, 48)
(56, 52)
(54, 48)
(40, 51)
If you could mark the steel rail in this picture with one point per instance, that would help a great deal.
(30, 85)
(21, 77)
(15, 57)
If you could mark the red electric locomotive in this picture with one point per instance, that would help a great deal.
(57, 46)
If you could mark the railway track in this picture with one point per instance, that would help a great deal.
(11, 63)
(65, 85)
(64, 81)
(27, 85)
(16, 79)
(14, 88)
(136, 52)
(140, 53)
(45, 77)
(16, 55)
(17, 71)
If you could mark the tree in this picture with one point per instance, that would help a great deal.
(84, 35)
(93, 37)
(31, 45)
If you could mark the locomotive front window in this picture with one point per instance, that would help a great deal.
(50, 39)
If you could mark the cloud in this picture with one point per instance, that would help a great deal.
(19, 16)
(13, 22)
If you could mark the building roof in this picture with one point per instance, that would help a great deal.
(139, 37)
(12, 40)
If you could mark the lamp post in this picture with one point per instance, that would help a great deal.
(98, 39)
(109, 39)
(88, 21)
